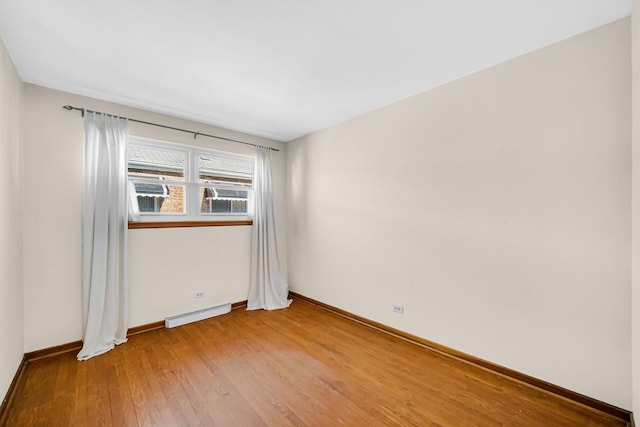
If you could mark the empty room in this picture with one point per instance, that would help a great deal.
(320, 213)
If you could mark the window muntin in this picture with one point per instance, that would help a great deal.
(188, 183)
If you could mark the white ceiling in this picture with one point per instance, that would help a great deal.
(277, 68)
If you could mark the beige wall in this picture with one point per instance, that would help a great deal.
(11, 298)
(635, 301)
(495, 208)
(166, 266)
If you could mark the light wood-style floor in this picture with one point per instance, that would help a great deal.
(299, 366)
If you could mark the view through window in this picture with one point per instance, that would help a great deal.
(179, 182)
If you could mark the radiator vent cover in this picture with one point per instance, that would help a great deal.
(194, 316)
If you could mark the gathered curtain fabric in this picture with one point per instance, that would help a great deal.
(268, 288)
(104, 234)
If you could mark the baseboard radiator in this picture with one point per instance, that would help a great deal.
(194, 316)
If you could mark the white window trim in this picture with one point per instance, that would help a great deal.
(191, 182)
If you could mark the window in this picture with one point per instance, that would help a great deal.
(175, 182)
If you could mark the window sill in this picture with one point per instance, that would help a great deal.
(178, 224)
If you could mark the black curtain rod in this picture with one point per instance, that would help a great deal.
(195, 134)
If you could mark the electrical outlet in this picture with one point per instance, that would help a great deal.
(398, 308)
(198, 295)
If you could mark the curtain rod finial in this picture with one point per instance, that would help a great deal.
(68, 107)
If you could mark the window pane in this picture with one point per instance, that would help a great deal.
(217, 199)
(150, 204)
(155, 163)
(212, 169)
(160, 198)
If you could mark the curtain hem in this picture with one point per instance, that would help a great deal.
(101, 350)
(266, 307)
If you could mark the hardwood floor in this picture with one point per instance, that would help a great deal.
(299, 366)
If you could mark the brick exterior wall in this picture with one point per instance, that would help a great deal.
(175, 201)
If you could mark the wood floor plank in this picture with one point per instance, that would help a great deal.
(151, 404)
(231, 363)
(302, 366)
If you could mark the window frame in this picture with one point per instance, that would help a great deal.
(191, 214)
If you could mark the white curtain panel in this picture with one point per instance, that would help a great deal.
(268, 288)
(104, 234)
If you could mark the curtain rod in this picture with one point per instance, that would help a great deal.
(195, 134)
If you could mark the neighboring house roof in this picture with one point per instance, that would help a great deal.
(154, 159)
